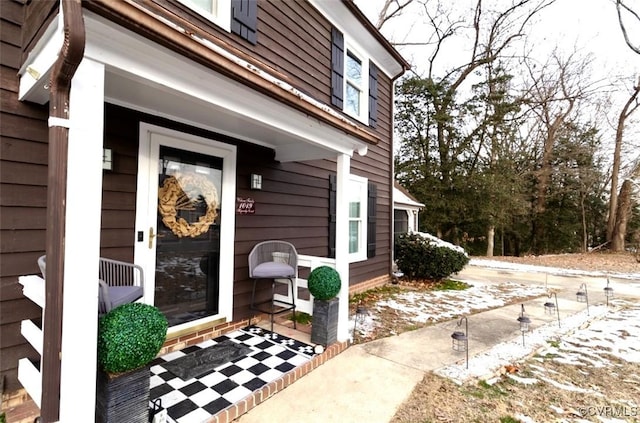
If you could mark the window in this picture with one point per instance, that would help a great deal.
(354, 85)
(217, 11)
(362, 199)
(239, 17)
(354, 80)
(357, 192)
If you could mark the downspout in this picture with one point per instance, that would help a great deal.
(69, 58)
(405, 67)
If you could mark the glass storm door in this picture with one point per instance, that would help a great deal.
(185, 225)
(187, 277)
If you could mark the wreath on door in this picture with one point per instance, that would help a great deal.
(184, 192)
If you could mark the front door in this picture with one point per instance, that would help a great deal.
(185, 230)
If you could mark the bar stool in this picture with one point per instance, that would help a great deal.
(272, 260)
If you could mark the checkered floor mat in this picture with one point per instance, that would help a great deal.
(197, 399)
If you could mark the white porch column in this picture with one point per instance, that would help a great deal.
(82, 244)
(342, 242)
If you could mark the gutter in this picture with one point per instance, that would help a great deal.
(392, 179)
(150, 20)
(379, 37)
(69, 58)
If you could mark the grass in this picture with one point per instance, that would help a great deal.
(484, 390)
(553, 343)
(508, 419)
(375, 293)
(302, 318)
(451, 285)
(388, 290)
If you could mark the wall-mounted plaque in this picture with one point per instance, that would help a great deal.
(245, 205)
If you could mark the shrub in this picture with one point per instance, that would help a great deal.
(130, 336)
(420, 258)
(324, 282)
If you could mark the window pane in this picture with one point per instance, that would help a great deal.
(354, 209)
(354, 70)
(354, 236)
(352, 104)
(207, 5)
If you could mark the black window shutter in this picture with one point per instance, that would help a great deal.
(244, 19)
(371, 219)
(373, 95)
(337, 67)
(332, 216)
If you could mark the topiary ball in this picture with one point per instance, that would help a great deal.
(324, 282)
(130, 336)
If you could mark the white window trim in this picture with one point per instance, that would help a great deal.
(361, 254)
(221, 18)
(350, 47)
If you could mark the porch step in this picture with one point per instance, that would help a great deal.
(27, 412)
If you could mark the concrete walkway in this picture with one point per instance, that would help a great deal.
(368, 382)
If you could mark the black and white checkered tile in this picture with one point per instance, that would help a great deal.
(197, 399)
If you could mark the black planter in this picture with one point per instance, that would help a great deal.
(123, 398)
(324, 326)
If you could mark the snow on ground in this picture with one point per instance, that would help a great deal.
(496, 264)
(583, 339)
(435, 306)
(421, 307)
(588, 338)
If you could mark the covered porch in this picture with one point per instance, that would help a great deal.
(126, 70)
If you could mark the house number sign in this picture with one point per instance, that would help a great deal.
(245, 205)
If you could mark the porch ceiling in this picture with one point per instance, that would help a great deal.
(294, 136)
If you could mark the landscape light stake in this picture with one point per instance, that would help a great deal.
(549, 307)
(582, 296)
(460, 340)
(608, 291)
(361, 314)
(524, 322)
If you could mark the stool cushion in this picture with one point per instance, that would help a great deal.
(272, 269)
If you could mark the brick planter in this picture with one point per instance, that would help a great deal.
(324, 326)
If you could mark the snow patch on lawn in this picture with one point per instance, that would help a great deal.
(583, 340)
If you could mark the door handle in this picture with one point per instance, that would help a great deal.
(151, 236)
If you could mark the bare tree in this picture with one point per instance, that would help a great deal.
(554, 93)
(628, 14)
(623, 213)
(632, 104)
(391, 9)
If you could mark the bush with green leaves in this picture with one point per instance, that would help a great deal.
(419, 258)
(324, 283)
(130, 336)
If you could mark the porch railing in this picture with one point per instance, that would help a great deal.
(304, 299)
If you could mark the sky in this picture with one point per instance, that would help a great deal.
(589, 25)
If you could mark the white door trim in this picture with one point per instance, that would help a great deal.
(151, 137)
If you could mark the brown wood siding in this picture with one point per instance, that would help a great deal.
(376, 166)
(293, 40)
(37, 16)
(23, 193)
(293, 204)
